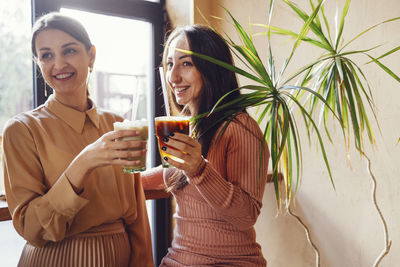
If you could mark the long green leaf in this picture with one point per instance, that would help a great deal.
(304, 30)
(251, 49)
(344, 13)
(368, 29)
(326, 23)
(321, 143)
(281, 31)
(387, 53)
(315, 29)
(226, 65)
(386, 69)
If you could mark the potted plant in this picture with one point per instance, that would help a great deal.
(332, 84)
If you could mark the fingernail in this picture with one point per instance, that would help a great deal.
(163, 148)
(165, 158)
(165, 139)
(171, 134)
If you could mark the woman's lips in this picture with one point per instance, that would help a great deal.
(63, 76)
(181, 90)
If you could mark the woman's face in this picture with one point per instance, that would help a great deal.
(63, 61)
(182, 76)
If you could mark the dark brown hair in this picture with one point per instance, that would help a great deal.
(217, 81)
(57, 21)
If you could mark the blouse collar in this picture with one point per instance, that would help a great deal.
(74, 118)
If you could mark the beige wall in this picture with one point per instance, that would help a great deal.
(180, 12)
(344, 224)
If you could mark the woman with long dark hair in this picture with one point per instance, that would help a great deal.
(216, 182)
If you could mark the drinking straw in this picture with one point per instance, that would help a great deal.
(135, 100)
(164, 89)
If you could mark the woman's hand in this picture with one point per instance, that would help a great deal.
(187, 149)
(109, 149)
(105, 151)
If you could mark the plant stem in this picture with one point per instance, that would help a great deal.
(314, 247)
(388, 242)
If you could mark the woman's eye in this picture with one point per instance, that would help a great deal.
(69, 51)
(46, 56)
(187, 63)
(169, 65)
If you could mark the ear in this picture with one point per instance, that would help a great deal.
(92, 55)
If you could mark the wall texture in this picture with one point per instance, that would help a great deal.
(344, 223)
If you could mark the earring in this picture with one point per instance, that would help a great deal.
(88, 79)
(45, 90)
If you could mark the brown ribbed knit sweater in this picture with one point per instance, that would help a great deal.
(217, 209)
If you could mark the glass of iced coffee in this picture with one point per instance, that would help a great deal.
(164, 126)
(138, 125)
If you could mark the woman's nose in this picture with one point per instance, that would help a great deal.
(59, 62)
(174, 75)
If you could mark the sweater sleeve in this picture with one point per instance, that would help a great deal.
(237, 196)
(39, 214)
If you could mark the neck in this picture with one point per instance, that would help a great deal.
(194, 111)
(76, 102)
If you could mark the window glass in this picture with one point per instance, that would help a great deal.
(16, 96)
(16, 93)
(16, 83)
(119, 80)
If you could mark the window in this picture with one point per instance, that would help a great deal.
(119, 80)
(16, 65)
(16, 95)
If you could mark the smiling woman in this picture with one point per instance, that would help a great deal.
(62, 165)
(218, 179)
(185, 80)
(65, 62)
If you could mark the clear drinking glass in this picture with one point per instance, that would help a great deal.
(164, 126)
(138, 125)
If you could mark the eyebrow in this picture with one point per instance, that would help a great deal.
(63, 46)
(184, 56)
(68, 44)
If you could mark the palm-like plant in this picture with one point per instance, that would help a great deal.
(332, 83)
(335, 76)
(276, 102)
(341, 82)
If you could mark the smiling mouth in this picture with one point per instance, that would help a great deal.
(63, 76)
(180, 90)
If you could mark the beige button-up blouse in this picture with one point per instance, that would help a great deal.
(37, 148)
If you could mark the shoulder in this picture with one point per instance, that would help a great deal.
(244, 125)
(24, 119)
(20, 125)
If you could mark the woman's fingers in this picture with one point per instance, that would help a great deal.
(183, 142)
(113, 146)
(127, 144)
(185, 148)
(128, 154)
(115, 135)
